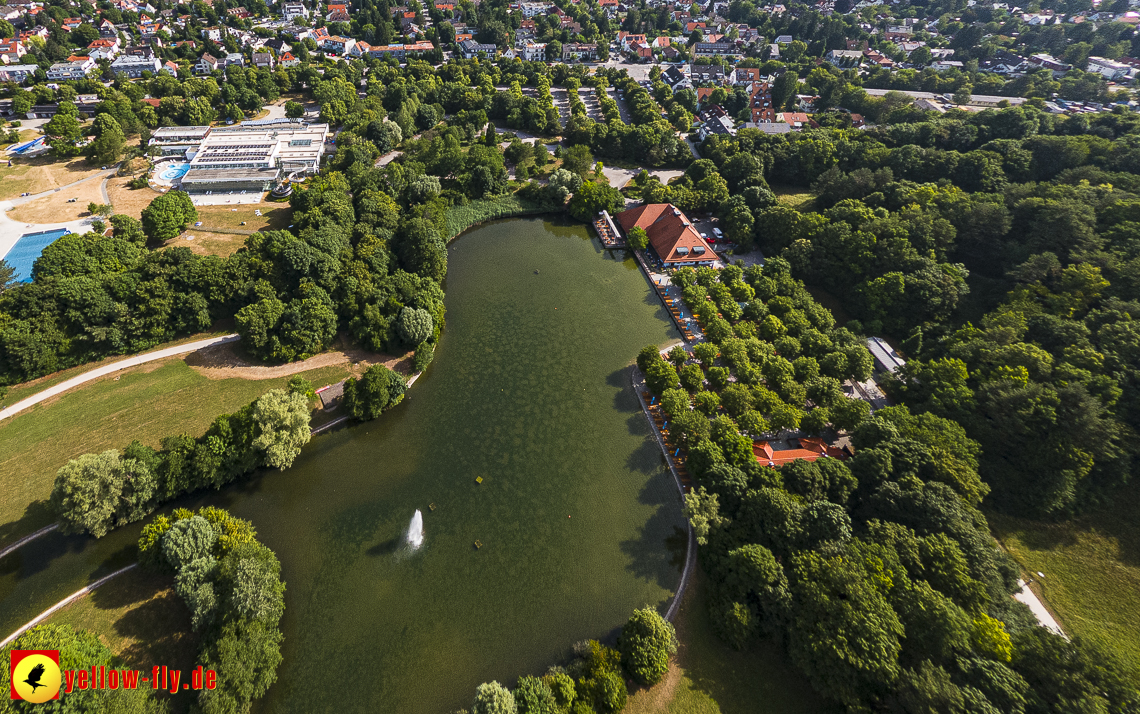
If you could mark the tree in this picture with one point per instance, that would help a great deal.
(294, 110)
(378, 388)
(86, 493)
(647, 641)
(188, 540)
(534, 696)
(127, 228)
(245, 656)
(167, 215)
(637, 238)
(282, 420)
(100, 209)
(109, 140)
(63, 132)
(414, 325)
(660, 375)
(578, 159)
(493, 698)
(8, 277)
(593, 198)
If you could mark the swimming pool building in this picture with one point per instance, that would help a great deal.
(247, 157)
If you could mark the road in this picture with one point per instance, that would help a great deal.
(111, 369)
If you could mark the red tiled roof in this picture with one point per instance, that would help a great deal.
(811, 449)
(668, 230)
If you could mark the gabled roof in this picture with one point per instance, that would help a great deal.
(670, 233)
(810, 450)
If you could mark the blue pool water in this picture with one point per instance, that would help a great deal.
(28, 248)
(174, 172)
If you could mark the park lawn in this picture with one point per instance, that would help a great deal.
(140, 619)
(711, 678)
(148, 403)
(129, 201)
(794, 197)
(57, 208)
(27, 389)
(1092, 571)
(207, 243)
(41, 174)
(274, 216)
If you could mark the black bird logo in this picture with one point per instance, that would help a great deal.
(34, 677)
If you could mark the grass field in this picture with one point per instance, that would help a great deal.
(1092, 571)
(41, 174)
(794, 197)
(149, 402)
(56, 208)
(207, 243)
(129, 201)
(274, 216)
(711, 678)
(138, 616)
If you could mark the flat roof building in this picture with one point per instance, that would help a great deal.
(250, 156)
(886, 359)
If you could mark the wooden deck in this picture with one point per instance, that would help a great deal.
(676, 308)
(609, 240)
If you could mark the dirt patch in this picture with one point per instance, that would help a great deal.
(225, 362)
(41, 174)
(129, 201)
(58, 208)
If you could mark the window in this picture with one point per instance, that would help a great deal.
(300, 142)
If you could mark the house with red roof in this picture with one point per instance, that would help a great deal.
(671, 234)
(809, 449)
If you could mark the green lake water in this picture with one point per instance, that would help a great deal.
(577, 514)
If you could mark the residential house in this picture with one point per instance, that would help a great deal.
(470, 49)
(532, 9)
(170, 68)
(533, 52)
(234, 58)
(845, 58)
(579, 51)
(292, 11)
(1109, 69)
(264, 60)
(337, 44)
(11, 50)
(715, 49)
(946, 65)
(760, 103)
(745, 75)
(206, 64)
(72, 69)
(705, 73)
(108, 29)
(288, 60)
(716, 122)
(1056, 66)
(17, 72)
(676, 79)
(212, 33)
(625, 39)
(672, 236)
(133, 66)
(784, 40)
(797, 120)
(103, 48)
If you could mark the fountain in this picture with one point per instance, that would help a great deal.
(416, 530)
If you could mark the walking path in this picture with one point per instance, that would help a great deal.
(64, 603)
(1030, 599)
(28, 539)
(637, 381)
(111, 369)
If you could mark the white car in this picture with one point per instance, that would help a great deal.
(717, 233)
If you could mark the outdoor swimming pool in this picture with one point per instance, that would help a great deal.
(28, 248)
(173, 172)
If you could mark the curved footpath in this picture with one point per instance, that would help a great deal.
(691, 551)
(63, 603)
(111, 369)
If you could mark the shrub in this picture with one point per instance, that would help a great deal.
(647, 641)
